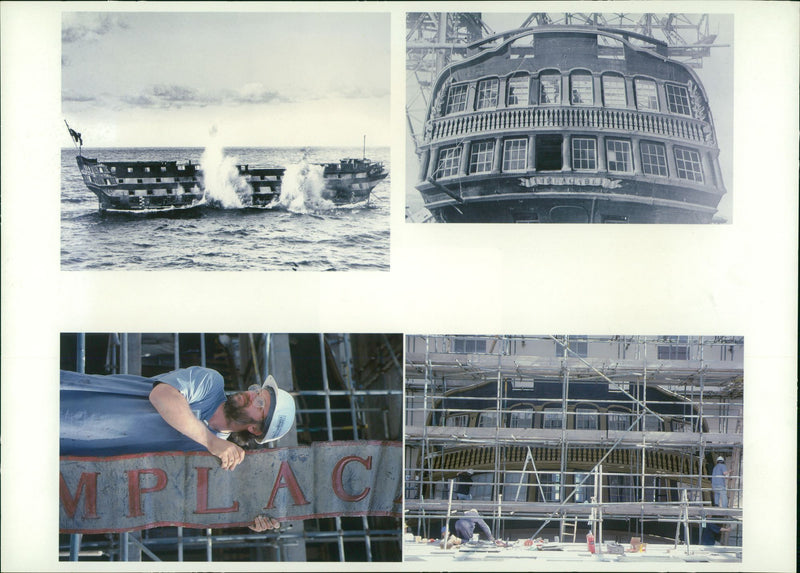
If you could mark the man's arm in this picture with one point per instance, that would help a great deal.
(175, 410)
(482, 524)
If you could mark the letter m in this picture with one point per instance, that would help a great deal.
(86, 485)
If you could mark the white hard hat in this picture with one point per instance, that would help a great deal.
(720, 459)
(280, 417)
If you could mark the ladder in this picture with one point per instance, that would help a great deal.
(683, 519)
(529, 457)
(569, 528)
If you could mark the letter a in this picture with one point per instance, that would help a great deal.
(286, 479)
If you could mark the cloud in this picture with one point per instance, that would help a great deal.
(67, 96)
(77, 27)
(175, 94)
(255, 93)
(139, 101)
(178, 96)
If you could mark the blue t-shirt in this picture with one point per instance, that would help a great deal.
(718, 476)
(112, 415)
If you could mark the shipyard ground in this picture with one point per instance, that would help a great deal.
(566, 554)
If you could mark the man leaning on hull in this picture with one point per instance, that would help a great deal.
(185, 410)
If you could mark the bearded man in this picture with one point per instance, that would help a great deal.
(185, 410)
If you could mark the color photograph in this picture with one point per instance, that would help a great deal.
(564, 448)
(230, 447)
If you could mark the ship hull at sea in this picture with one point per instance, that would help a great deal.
(352, 180)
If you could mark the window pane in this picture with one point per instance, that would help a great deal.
(514, 487)
(518, 90)
(614, 91)
(654, 158)
(552, 418)
(578, 345)
(482, 486)
(515, 155)
(584, 153)
(673, 353)
(620, 488)
(461, 420)
(646, 97)
(551, 486)
(550, 92)
(585, 419)
(469, 345)
(487, 420)
(618, 155)
(456, 99)
(582, 92)
(586, 490)
(481, 156)
(487, 94)
(688, 165)
(619, 421)
(652, 423)
(522, 418)
(449, 158)
(678, 99)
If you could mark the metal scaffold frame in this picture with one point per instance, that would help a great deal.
(700, 372)
(288, 544)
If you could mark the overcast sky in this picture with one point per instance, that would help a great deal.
(263, 79)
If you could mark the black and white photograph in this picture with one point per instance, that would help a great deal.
(569, 117)
(230, 447)
(562, 448)
(225, 141)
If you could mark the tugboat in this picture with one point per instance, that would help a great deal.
(139, 186)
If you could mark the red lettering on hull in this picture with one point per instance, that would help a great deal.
(286, 479)
(202, 495)
(135, 490)
(88, 482)
(336, 478)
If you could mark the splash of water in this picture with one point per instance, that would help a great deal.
(303, 189)
(224, 186)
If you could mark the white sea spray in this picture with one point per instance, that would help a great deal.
(223, 184)
(303, 189)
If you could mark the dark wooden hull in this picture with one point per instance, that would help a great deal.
(146, 186)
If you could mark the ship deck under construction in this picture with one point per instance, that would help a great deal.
(555, 467)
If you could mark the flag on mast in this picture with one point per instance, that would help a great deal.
(76, 137)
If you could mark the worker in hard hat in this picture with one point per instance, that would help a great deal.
(185, 410)
(719, 485)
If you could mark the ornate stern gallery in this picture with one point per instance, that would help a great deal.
(565, 124)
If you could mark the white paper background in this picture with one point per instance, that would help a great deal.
(738, 279)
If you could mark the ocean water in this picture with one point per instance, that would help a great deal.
(306, 233)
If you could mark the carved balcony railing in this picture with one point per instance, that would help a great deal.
(656, 124)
